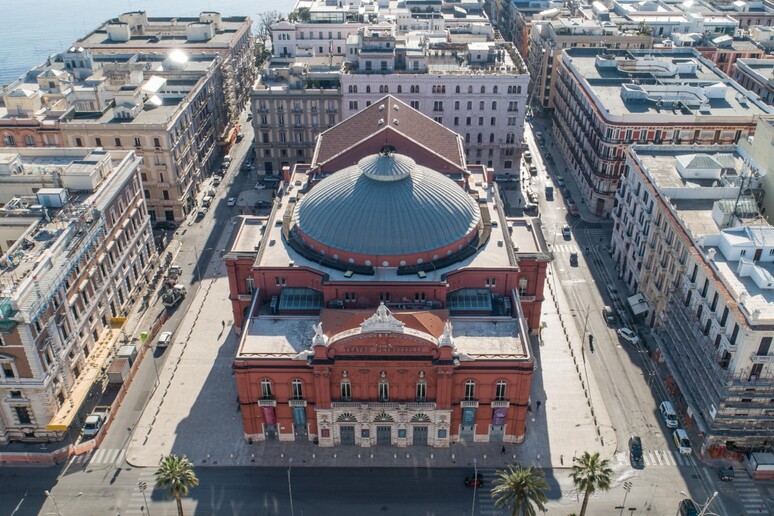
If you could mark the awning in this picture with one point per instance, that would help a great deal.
(638, 304)
(91, 371)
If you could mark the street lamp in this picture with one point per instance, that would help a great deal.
(290, 488)
(475, 486)
(49, 495)
(143, 486)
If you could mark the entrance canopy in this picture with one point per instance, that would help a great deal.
(638, 304)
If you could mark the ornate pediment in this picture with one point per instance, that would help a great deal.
(382, 321)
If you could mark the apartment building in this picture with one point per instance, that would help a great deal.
(463, 76)
(549, 37)
(230, 37)
(168, 108)
(757, 75)
(78, 251)
(606, 100)
(690, 239)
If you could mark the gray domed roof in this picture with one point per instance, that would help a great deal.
(387, 205)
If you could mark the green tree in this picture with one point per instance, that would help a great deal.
(176, 475)
(590, 474)
(522, 489)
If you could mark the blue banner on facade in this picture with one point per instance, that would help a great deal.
(468, 416)
(299, 416)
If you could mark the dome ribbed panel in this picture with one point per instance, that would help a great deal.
(420, 212)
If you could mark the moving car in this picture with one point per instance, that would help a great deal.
(164, 339)
(231, 201)
(683, 444)
(635, 450)
(629, 336)
(574, 259)
(668, 413)
(572, 208)
(475, 480)
(726, 473)
(567, 233)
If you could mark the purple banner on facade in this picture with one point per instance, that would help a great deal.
(498, 416)
(269, 415)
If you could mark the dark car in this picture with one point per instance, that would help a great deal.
(574, 259)
(474, 480)
(726, 474)
(687, 507)
(635, 449)
(263, 204)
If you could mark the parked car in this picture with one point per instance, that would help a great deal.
(263, 204)
(572, 208)
(528, 156)
(726, 473)
(216, 181)
(231, 201)
(683, 444)
(687, 507)
(165, 224)
(533, 171)
(635, 450)
(227, 158)
(669, 414)
(474, 480)
(559, 180)
(629, 336)
(165, 339)
(240, 137)
(259, 186)
(609, 314)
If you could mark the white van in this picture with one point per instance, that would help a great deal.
(682, 442)
(668, 413)
(206, 201)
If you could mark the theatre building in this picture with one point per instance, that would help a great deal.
(386, 300)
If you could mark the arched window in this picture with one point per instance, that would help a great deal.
(297, 390)
(368, 89)
(266, 391)
(494, 90)
(470, 89)
(457, 89)
(346, 390)
(480, 138)
(510, 138)
(494, 104)
(483, 89)
(400, 88)
(386, 89)
(467, 137)
(518, 89)
(500, 390)
(470, 390)
(491, 137)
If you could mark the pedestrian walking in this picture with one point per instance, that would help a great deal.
(502, 450)
(223, 324)
(538, 406)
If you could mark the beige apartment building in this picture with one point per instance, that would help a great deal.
(78, 251)
(210, 33)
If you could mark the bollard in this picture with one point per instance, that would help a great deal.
(314, 455)
(394, 455)
(372, 455)
(452, 456)
(431, 455)
(358, 455)
(334, 455)
(407, 455)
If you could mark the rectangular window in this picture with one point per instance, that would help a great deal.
(297, 390)
(421, 391)
(98, 142)
(78, 142)
(137, 142)
(500, 391)
(384, 391)
(23, 415)
(118, 142)
(346, 391)
(8, 372)
(266, 392)
(470, 390)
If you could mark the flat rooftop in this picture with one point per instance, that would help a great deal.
(287, 337)
(164, 33)
(643, 70)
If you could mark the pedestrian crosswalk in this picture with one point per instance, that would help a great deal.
(100, 456)
(565, 248)
(656, 458)
(485, 504)
(141, 494)
(751, 498)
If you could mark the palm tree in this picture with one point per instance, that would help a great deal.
(521, 489)
(590, 474)
(176, 474)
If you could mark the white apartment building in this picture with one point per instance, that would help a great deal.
(689, 237)
(78, 254)
(463, 77)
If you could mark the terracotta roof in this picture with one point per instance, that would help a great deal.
(428, 321)
(411, 124)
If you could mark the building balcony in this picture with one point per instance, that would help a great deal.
(267, 403)
(469, 403)
(297, 403)
(501, 404)
(761, 359)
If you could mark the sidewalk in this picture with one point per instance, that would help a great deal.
(194, 411)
